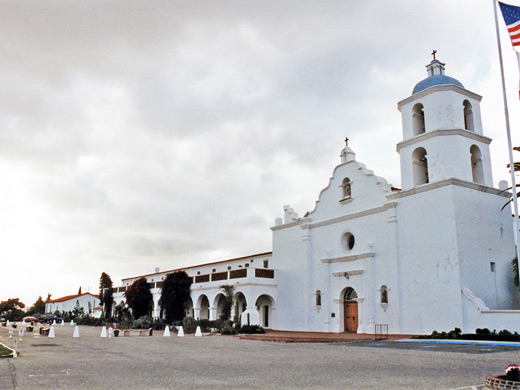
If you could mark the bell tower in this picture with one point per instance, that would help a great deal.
(442, 133)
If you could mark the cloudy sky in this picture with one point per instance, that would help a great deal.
(136, 135)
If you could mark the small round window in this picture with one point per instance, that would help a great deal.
(348, 241)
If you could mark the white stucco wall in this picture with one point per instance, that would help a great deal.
(82, 300)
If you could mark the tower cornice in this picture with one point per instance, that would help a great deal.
(438, 88)
(440, 133)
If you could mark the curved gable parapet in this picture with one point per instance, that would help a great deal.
(361, 177)
(380, 181)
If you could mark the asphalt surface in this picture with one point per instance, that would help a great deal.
(220, 362)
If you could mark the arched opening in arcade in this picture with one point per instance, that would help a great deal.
(204, 307)
(189, 308)
(219, 303)
(239, 306)
(264, 305)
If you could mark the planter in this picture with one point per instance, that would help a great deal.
(501, 382)
(116, 332)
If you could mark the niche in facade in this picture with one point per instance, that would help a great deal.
(347, 188)
(384, 297)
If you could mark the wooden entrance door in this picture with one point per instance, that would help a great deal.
(351, 316)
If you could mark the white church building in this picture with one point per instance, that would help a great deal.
(433, 255)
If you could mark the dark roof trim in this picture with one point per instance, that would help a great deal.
(200, 265)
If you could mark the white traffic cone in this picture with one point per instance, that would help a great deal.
(7, 323)
(71, 322)
(62, 323)
(54, 322)
(76, 331)
(198, 333)
(51, 333)
(180, 333)
(23, 322)
(166, 331)
(103, 332)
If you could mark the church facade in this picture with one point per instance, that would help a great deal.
(433, 255)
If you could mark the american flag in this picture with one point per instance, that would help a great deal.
(511, 16)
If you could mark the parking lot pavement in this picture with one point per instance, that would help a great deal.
(7, 374)
(220, 362)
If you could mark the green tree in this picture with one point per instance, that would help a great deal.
(175, 295)
(38, 307)
(139, 298)
(228, 301)
(12, 309)
(106, 293)
(122, 313)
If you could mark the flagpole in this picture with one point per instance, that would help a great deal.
(509, 144)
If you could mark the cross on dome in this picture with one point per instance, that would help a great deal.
(436, 76)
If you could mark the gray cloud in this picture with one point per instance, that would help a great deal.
(143, 134)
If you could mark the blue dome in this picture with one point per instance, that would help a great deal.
(438, 79)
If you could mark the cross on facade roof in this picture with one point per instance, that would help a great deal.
(433, 53)
(346, 141)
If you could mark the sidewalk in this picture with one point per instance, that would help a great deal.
(282, 336)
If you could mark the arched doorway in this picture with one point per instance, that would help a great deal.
(350, 310)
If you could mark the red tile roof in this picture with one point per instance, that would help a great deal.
(67, 297)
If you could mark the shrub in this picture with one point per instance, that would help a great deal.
(251, 329)
(91, 321)
(205, 324)
(147, 322)
(452, 334)
(227, 330)
(187, 321)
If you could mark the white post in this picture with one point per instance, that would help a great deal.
(509, 144)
